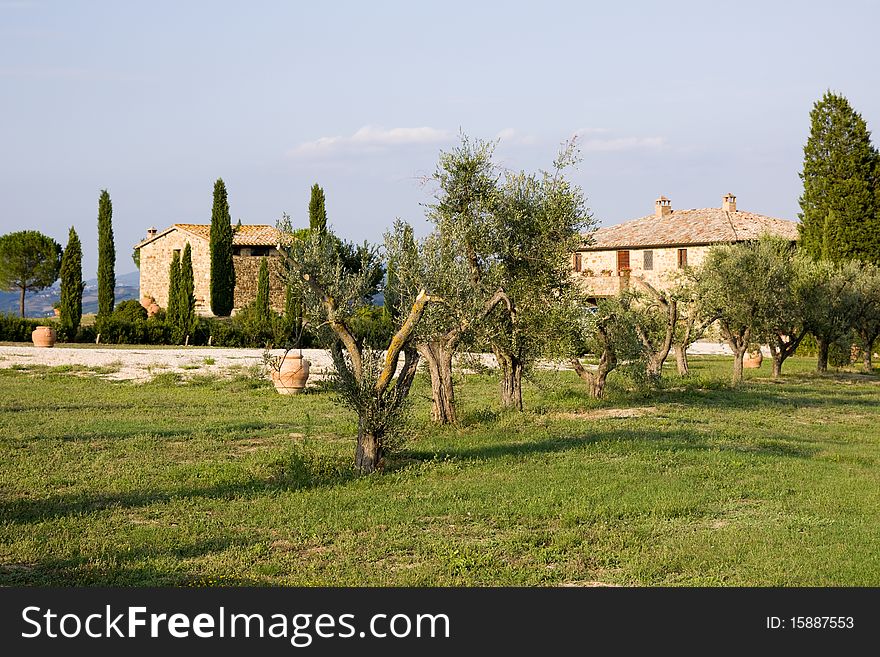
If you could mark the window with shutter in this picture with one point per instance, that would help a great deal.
(649, 261)
(682, 258)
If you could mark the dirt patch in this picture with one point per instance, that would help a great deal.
(588, 583)
(608, 413)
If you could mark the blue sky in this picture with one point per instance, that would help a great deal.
(155, 100)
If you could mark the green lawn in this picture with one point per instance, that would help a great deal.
(219, 482)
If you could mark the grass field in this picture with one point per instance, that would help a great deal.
(224, 482)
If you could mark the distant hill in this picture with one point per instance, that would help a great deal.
(40, 304)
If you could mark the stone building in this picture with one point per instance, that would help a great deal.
(655, 247)
(250, 244)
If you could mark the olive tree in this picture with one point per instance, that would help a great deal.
(367, 381)
(733, 290)
(456, 263)
(782, 325)
(606, 332)
(538, 221)
(866, 316)
(498, 257)
(657, 324)
(693, 319)
(831, 303)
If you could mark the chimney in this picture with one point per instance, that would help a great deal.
(151, 232)
(728, 204)
(662, 207)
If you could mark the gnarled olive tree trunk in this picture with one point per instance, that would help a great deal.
(739, 343)
(868, 342)
(596, 380)
(511, 379)
(438, 356)
(371, 435)
(681, 359)
(658, 351)
(781, 348)
(822, 360)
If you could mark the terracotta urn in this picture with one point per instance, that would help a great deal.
(291, 375)
(44, 336)
(753, 359)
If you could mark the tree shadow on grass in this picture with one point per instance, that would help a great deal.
(676, 440)
(127, 567)
(297, 473)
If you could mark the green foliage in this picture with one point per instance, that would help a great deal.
(504, 231)
(866, 316)
(840, 216)
(29, 262)
(130, 311)
(609, 328)
(292, 325)
(117, 329)
(173, 311)
(186, 309)
(750, 288)
(71, 284)
(831, 307)
(317, 210)
(262, 301)
(372, 327)
(383, 415)
(222, 267)
(106, 256)
(16, 329)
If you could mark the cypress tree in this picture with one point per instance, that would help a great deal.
(222, 268)
(186, 298)
(839, 218)
(293, 320)
(172, 312)
(317, 210)
(263, 292)
(71, 284)
(106, 256)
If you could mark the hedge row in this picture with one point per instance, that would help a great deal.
(126, 326)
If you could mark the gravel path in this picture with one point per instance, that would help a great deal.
(136, 364)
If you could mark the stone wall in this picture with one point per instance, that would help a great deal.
(661, 276)
(156, 261)
(247, 274)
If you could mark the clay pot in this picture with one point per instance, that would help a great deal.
(753, 360)
(152, 309)
(44, 336)
(290, 378)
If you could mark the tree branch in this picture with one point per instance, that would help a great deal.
(338, 326)
(400, 339)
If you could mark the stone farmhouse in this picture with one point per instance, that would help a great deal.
(250, 243)
(655, 247)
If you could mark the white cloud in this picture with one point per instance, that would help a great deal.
(371, 138)
(583, 132)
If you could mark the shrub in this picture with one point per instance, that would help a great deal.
(130, 311)
(372, 327)
(114, 330)
(16, 329)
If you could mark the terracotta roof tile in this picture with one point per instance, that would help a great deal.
(247, 235)
(682, 227)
